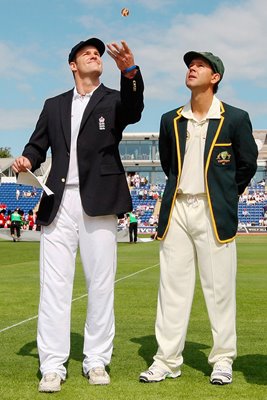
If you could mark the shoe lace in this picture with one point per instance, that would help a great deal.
(50, 377)
(155, 369)
(99, 371)
(222, 368)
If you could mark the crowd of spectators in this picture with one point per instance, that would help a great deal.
(147, 195)
(25, 193)
(137, 181)
(253, 197)
(144, 189)
(28, 219)
(152, 193)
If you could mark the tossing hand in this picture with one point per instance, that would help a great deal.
(122, 56)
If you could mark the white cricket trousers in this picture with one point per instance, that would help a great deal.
(96, 238)
(191, 243)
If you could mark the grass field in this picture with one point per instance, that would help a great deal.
(134, 345)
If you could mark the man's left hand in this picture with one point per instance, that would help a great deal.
(122, 55)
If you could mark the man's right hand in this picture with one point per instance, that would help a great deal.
(21, 164)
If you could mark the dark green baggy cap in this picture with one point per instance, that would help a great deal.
(214, 61)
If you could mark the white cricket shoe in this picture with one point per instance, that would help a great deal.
(98, 376)
(157, 374)
(221, 374)
(50, 382)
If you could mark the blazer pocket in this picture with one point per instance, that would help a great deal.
(111, 169)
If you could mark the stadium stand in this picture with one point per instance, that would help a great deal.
(249, 212)
(27, 198)
(145, 205)
(144, 208)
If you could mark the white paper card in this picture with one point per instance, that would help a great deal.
(28, 178)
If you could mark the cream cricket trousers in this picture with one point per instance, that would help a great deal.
(190, 243)
(96, 238)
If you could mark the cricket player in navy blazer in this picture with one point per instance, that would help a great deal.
(83, 128)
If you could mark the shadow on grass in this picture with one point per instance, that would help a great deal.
(253, 366)
(193, 356)
(76, 352)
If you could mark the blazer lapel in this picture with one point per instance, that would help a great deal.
(65, 111)
(96, 97)
(180, 129)
(214, 129)
(182, 136)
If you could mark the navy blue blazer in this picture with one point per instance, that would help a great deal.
(103, 185)
(230, 161)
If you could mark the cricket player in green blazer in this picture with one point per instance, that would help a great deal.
(209, 156)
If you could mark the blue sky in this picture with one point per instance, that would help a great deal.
(37, 35)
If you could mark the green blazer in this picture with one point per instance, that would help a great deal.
(230, 161)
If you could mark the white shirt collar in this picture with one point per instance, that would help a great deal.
(77, 95)
(213, 113)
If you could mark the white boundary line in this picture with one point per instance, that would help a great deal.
(78, 298)
(19, 323)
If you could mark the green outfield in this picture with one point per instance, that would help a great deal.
(134, 346)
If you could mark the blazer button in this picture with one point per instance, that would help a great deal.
(63, 180)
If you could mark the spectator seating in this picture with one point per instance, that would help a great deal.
(25, 203)
(251, 212)
(255, 212)
(247, 213)
(252, 215)
(144, 208)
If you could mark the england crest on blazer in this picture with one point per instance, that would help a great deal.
(101, 123)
